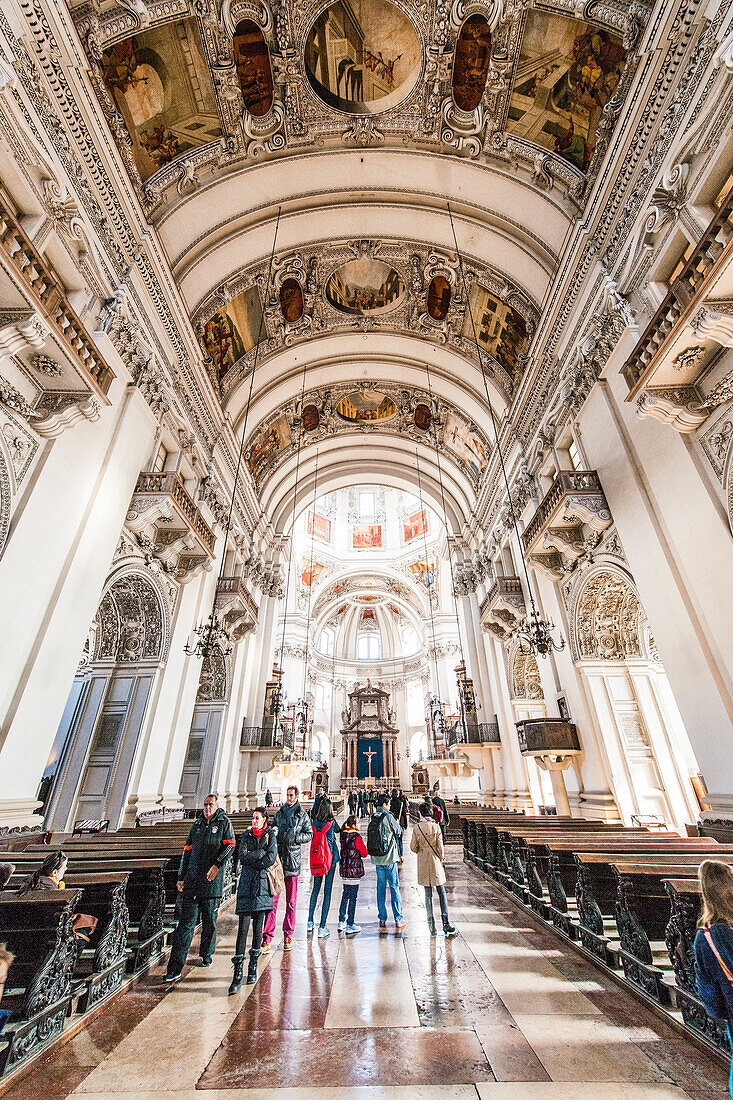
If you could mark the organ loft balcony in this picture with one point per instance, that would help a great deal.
(168, 526)
(672, 372)
(567, 524)
(237, 607)
(503, 607)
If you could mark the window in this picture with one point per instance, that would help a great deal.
(367, 505)
(368, 647)
(325, 642)
(575, 459)
(160, 460)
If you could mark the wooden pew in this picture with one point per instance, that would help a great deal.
(39, 990)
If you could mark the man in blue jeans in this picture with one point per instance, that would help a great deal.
(386, 864)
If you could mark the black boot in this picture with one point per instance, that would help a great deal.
(448, 928)
(236, 985)
(254, 955)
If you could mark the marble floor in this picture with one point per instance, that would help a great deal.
(502, 1012)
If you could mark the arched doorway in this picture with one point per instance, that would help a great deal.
(107, 703)
(203, 740)
(648, 750)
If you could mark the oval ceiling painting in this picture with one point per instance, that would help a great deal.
(471, 64)
(439, 295)
(423, 417)
(363, 406)
(310, 418)
(365, 287)
(254, 72)
(362, 56)
(291, 300)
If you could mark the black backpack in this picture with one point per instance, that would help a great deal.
(378, 838)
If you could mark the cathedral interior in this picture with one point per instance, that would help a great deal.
(366, 423)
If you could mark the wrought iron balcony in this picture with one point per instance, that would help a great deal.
(483, 733)
(573, 510)
(659, 358)
(31, 274)
(168, 524)
(250, 737)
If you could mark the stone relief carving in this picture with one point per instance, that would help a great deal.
(608, 619)
(213, 681)
(131, 622)
(525, 677)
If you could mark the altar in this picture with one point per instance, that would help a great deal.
(369, 738)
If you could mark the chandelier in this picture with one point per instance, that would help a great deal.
(536, 635)
(212, 640)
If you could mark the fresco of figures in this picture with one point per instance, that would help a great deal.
(365, 406)
(161, 85)
(459, 438)
(319, 526)
(424, 570)
(310, 571)
(414, 526)
(365, 287)
(362, 56)
(366, 536)
(566, 74)
(267, 445)
(499, 328)
(233, 331)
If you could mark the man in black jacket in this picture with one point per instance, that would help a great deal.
(209, 846)
(293, 829)
(438, 801)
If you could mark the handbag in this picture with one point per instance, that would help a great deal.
(275, 878)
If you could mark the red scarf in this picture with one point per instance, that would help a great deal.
(258, 832)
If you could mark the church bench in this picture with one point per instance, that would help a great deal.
(624, 908)
(685, 907)
(144, 897)
(39, 990)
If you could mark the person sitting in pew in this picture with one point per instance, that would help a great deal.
(714, 944)
(6, 873)
(50, 876)
(6, 958)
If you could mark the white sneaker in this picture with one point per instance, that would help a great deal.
(342, 925)
(309, 926)
(352, 929)
(322, 933)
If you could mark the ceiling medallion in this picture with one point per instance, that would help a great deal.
(362, 58)
(364, 406)
(365, 287)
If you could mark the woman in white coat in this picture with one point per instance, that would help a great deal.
(427, 843)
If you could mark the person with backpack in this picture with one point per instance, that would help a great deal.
(427, 843)
(440, 804)
(382, 834)
(714, 945)
(256, 854)
(351, 869)
(323, 859)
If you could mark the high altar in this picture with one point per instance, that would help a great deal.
(369, 738)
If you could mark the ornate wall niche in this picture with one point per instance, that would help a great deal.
(215, 680)
(607, 619)
(525, 677)
(133, 622)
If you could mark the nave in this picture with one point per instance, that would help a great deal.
(504, 1011)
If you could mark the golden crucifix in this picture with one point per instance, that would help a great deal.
(369, 753)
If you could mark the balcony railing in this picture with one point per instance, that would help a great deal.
(484, 733)
(25, 263)
(170, 484)
(250, 737)
(235, 586)
(690, 283)
(266, 737)
(567, 481)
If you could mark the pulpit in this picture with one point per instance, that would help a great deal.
(369, 738)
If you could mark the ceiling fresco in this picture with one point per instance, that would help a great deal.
(223, 85)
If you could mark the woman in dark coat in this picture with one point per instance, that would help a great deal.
(257, 850)
(714, 945)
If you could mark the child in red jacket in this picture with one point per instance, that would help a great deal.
(353, 850)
